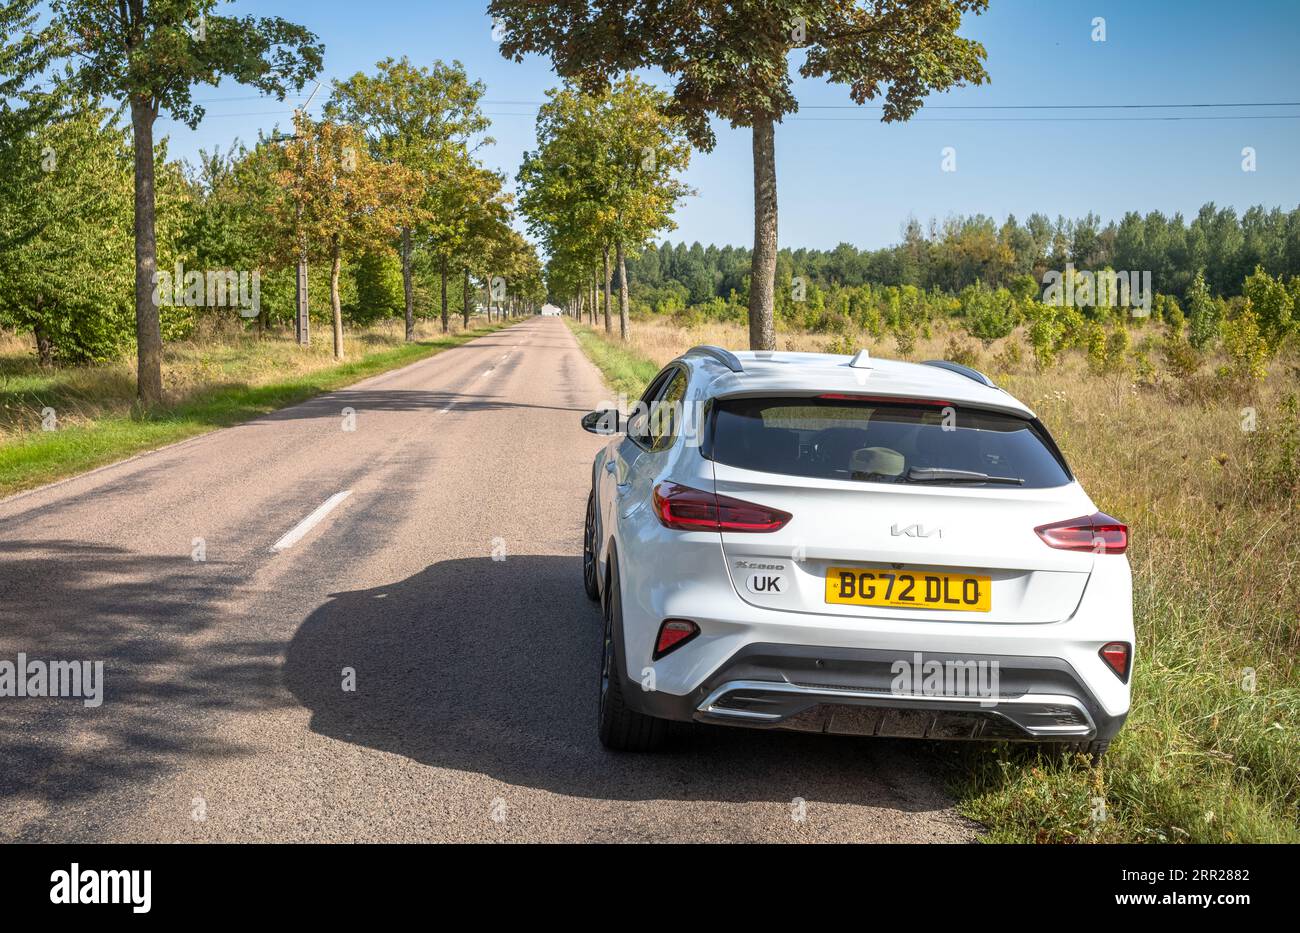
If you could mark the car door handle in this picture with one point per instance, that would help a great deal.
(623, 488)
(610, 466)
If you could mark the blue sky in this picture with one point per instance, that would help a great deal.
(846, 177)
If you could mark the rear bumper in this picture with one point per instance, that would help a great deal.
(856, 691)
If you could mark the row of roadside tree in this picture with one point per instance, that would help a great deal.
(106, 241)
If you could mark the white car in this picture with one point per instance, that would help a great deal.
(853, 546)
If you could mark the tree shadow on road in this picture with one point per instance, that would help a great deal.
(490, 667)
(146, 617)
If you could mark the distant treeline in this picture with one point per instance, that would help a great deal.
(962, 251)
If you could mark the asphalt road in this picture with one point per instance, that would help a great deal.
(473, 715)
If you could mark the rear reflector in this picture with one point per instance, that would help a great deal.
(1115, 654)
(1097, 532)
(688, 509)
(672, 635)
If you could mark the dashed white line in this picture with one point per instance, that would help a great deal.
(311, 521)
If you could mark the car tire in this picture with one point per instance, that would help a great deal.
(589, 566)
(621, 728)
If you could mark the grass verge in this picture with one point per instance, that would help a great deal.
(1211, 748)
(626, 371)
(30, 458)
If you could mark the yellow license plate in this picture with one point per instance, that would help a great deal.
(856, 586)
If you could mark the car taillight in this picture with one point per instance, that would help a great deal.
(1116, 655)
(673, 633)
(688, 509)
(1098, 532)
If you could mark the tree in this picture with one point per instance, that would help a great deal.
(424, 119)
(730, 59)
(604, 174)
(340, 200)
(25, 107)
(1272, 305)
(150, 54)
(1203, 314)
(64, 287)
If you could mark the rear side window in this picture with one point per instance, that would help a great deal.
(883, 442)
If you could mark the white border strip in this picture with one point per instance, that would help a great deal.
(311, 521)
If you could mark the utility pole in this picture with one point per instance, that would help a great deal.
(303, 318)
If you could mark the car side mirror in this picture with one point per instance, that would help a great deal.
(604, 422)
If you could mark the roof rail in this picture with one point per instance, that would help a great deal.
(962, 371)
(725, 357)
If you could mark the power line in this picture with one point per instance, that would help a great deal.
(1268, 116)
(538, 103)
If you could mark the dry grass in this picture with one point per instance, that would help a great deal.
(81, 395)
(1211, 751)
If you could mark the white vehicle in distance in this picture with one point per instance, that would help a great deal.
(854, 546)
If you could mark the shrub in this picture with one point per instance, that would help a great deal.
(1011, 356)
(1275, 453)
(959, 351)
(1203, 314)
(1181, 358)
(1116, 353)
(905, 339)
(1247, 348)
(989, 315)
(843, 344)
(1094, 343)
(1045, 336)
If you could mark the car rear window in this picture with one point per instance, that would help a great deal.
(882, 442)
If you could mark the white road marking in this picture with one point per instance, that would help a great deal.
(311, 521)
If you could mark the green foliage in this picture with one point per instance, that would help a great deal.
(1166, 309)
(959, 351)
(71, 291)
(1246, 346)
(1273, 305)
(1181, 358)
(964, 251)
(604, 174)
(990, 315)
(1275, 453)
(1094, 342)
(379, 287)
(1117, 345)
(1203, 314)
(158, 51)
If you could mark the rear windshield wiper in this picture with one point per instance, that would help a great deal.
(938, 475)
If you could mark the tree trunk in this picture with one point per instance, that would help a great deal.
(608, 274)
(762, 275)
(408, 288)
(442, 270)
(148, 334)
(622, 290)
(336, 264)
(465, 296)
(44, 346)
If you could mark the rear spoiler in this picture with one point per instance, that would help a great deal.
(719, 355)
(961, 370)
